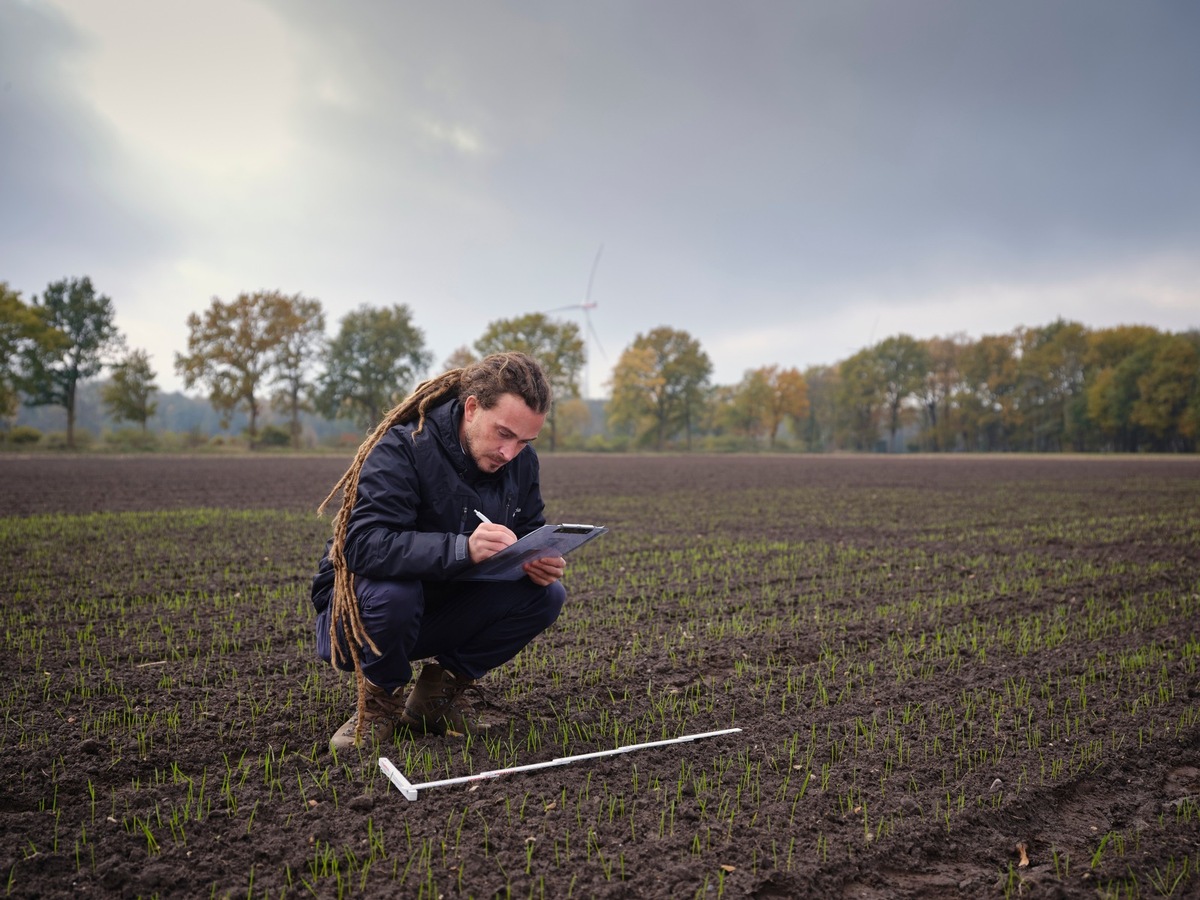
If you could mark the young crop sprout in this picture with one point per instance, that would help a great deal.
(410, 790)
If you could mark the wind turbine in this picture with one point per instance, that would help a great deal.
(589, 332)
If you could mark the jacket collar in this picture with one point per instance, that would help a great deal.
(445, 420)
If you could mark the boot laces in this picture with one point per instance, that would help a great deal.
(455, 704)
(382, 705)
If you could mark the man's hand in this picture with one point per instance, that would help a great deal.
(487, 540)
(545, 571)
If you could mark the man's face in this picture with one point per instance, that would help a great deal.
(494, 436)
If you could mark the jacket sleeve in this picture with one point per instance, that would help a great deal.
(383, 540)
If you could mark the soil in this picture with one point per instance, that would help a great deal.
(1097, 540)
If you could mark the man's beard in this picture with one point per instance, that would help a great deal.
(485, 464)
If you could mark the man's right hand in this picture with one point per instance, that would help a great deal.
(487, 540)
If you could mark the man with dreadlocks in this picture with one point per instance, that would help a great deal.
(445, 481)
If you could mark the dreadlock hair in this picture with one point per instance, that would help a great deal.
(486, 380)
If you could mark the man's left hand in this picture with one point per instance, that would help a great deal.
(545, 571)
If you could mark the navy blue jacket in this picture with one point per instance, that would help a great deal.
(417, 500)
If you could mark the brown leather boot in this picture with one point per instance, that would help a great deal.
(383, 711)
(436, 704)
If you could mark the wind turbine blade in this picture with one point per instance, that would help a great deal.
(564, 308)
(592, 277)
(592, 332)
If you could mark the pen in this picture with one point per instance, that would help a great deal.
(482, 518)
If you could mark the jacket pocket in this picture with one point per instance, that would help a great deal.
(466, 505)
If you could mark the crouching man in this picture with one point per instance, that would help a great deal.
(447, 480)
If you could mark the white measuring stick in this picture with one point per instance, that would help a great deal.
(409, 790)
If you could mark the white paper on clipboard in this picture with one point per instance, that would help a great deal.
(549, 540)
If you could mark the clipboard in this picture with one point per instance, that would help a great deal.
(549, 540)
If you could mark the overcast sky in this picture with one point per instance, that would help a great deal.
(786, 181)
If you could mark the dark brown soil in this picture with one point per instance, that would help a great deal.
(126, 734)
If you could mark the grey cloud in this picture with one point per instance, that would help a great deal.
(1017, 131)
(68, 200)
(756, 157)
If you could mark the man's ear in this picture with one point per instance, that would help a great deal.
(470, 407)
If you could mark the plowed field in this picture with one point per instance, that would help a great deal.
(955, 677)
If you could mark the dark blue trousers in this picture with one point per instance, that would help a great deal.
(470, 627)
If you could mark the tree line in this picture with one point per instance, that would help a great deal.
(1057, 387)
